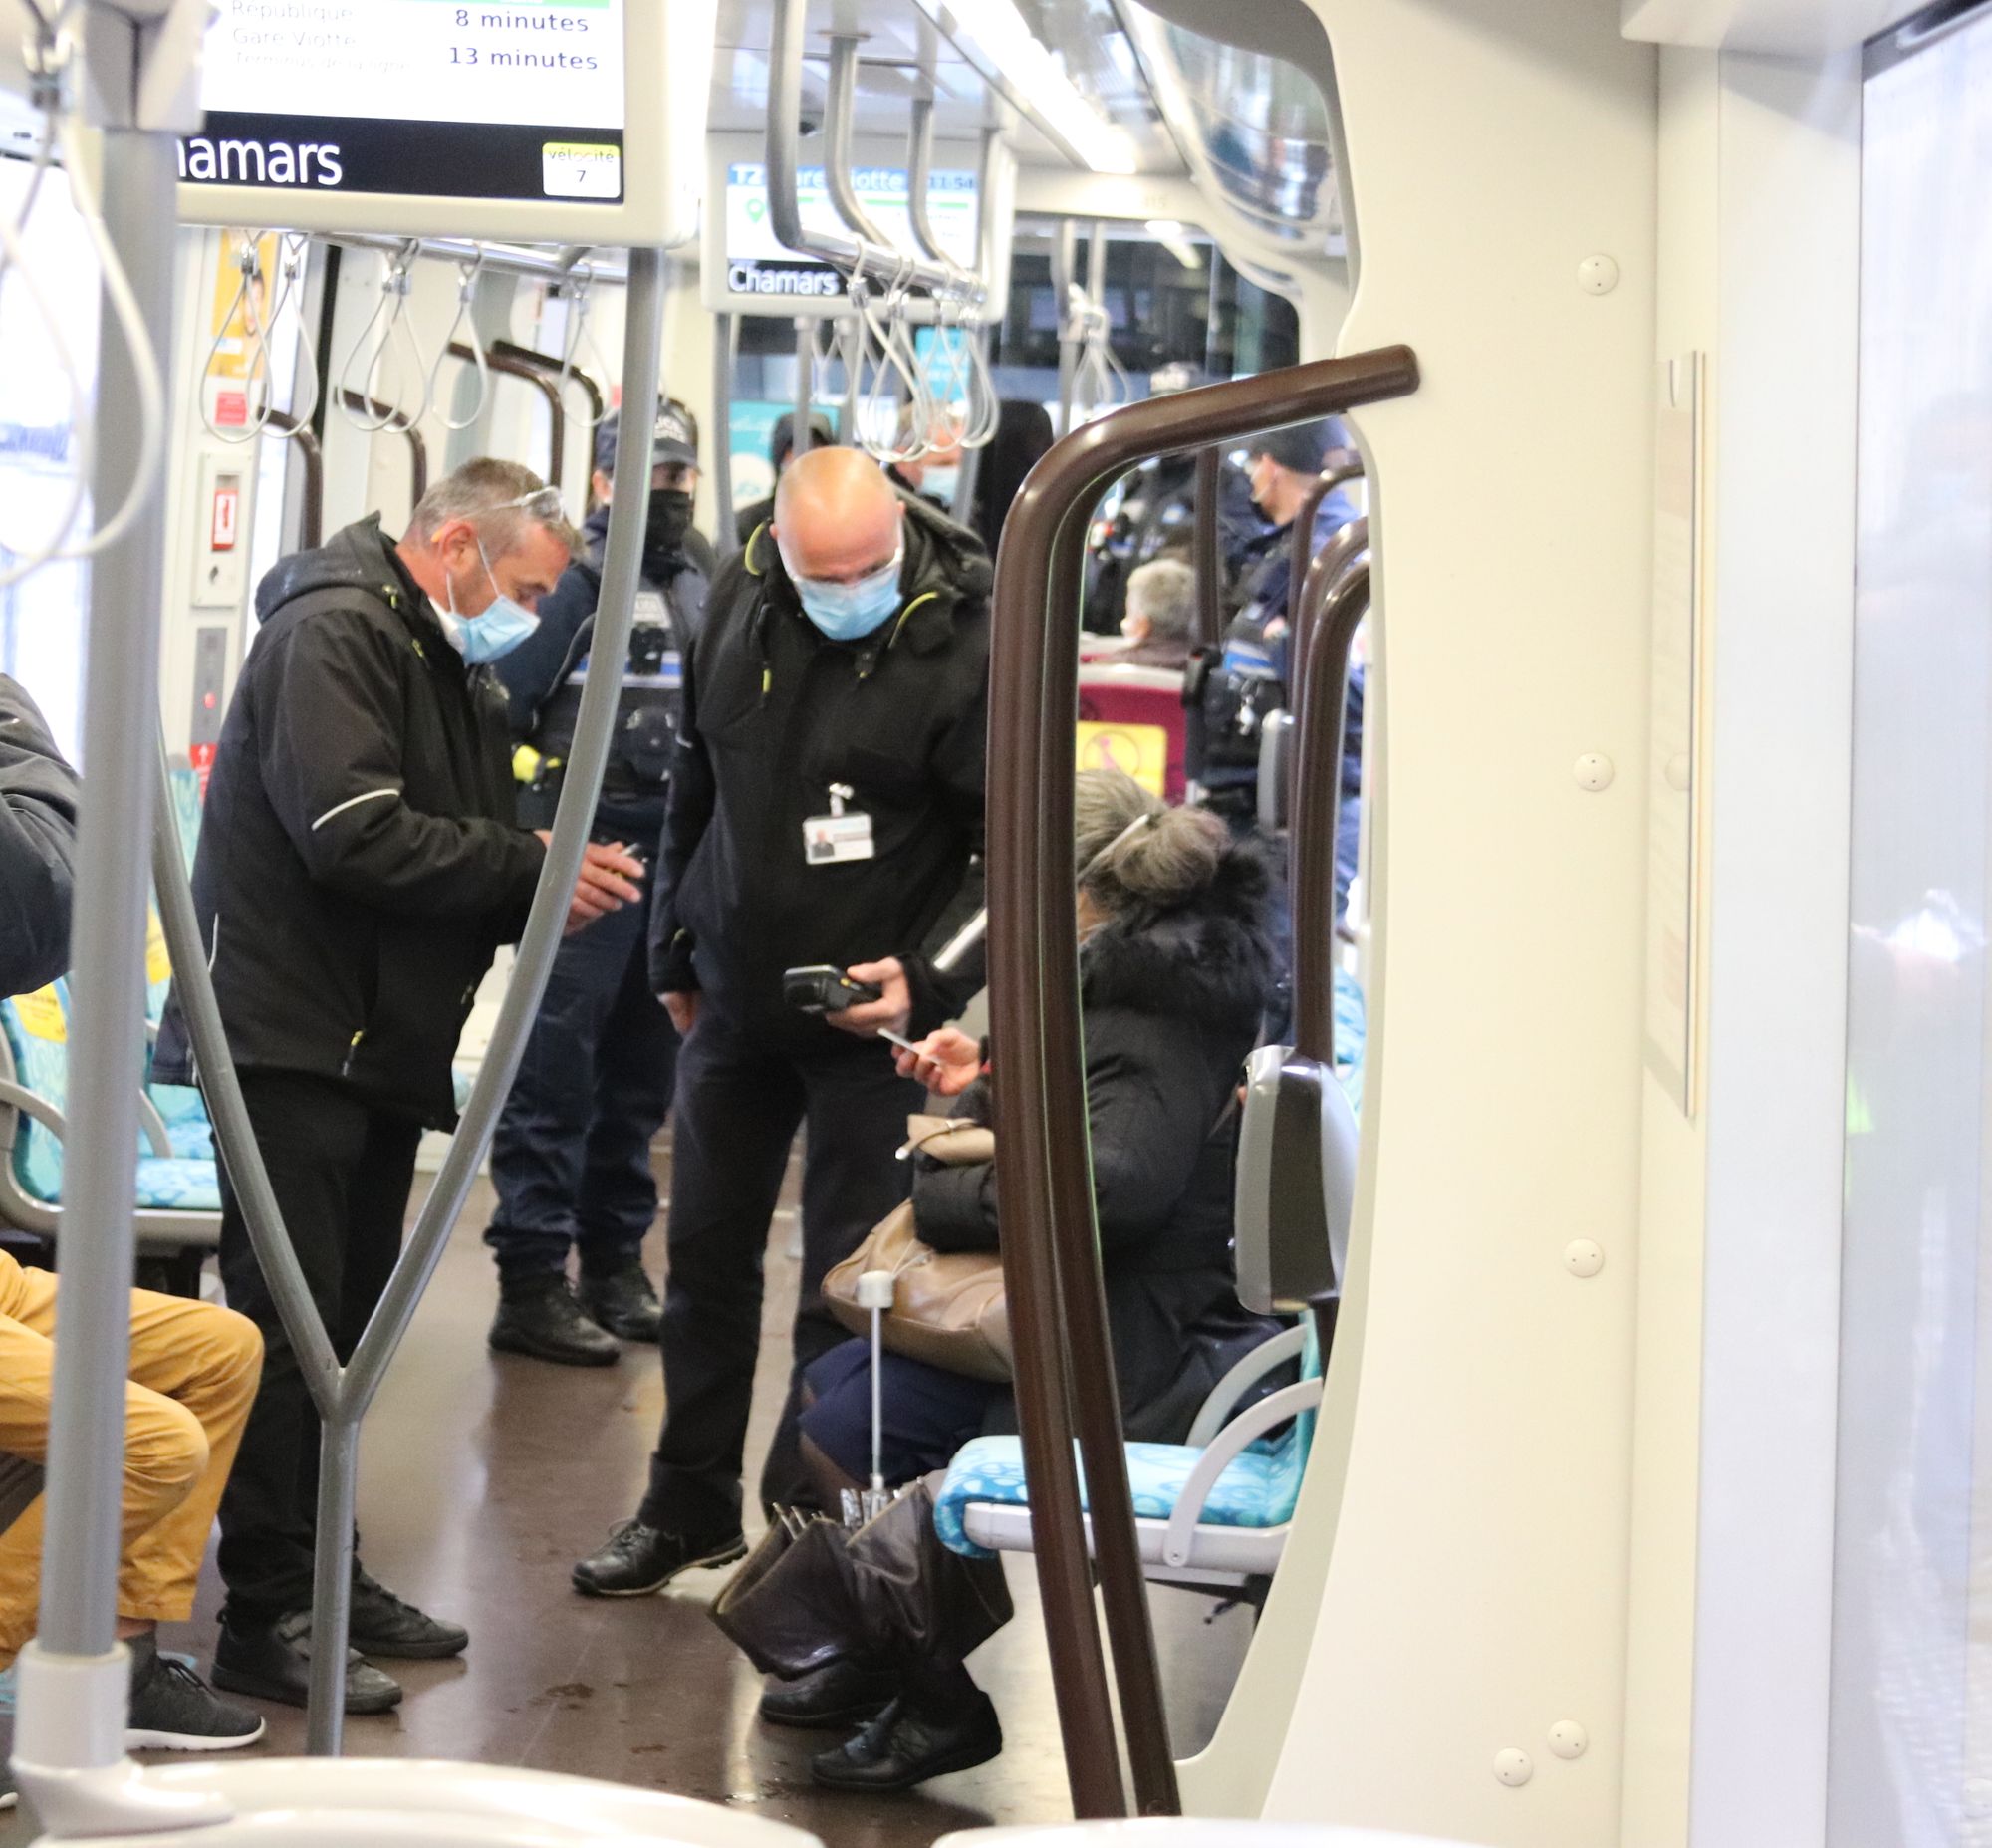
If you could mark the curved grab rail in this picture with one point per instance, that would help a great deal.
(344, 1395)
(597, 404)
(1051, 1263)
(532, 376)
(418, 446)
(1321, 715)
(311, 524)
(840, 104)
(1319, 489)
(1316, 585)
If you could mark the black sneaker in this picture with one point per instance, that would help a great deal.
(638, 1561)
(540, 1316)
(272, 1662)
(174, 1710)
(387, 1625)
(903, 1747)
(624, 1302)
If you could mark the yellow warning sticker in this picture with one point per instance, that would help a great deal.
(1140, 750)
(41, 1015)
(159, 965)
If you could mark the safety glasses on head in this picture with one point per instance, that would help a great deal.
(540, 504)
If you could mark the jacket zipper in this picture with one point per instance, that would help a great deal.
(352, 1052)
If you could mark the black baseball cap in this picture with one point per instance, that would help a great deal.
(1299, 447)
(674, 437)
(781, 439)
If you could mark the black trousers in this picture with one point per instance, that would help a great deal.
(341, 1170)
(740, 1099)
(570, 1158)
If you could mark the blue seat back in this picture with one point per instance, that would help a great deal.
(37, 1031)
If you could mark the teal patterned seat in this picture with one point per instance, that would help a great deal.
(36, 1028)
(1257, 1489)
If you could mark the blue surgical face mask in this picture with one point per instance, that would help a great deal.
(943, 481)
(495, 631)
(846, 612)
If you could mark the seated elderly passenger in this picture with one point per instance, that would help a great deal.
(1160, 623)
(1176, 967)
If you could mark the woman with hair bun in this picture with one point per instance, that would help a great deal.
(1176, 968)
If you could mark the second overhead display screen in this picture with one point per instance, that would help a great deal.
(519, 101)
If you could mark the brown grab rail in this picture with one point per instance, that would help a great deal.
(1319, 720)
(311, 523)
(392, 426)
(1051, 1262)
(541, 382)
(1210, 560)
(1323, 574)
(598, 406)
(1319, 489)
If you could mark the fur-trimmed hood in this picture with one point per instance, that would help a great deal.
(1212, 958)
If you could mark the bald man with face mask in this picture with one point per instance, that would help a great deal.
(826, 806)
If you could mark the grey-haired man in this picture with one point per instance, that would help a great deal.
(359, 866)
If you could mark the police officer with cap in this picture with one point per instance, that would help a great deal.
(1250, 678)
(571, 1158)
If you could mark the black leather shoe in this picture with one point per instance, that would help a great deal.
(387, 1625)
(540, 1316)
(272, 1662)
(638, 1561)
(624, 1302)
(839, 1693)
(901, 1748)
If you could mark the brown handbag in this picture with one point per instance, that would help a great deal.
(947, 1306)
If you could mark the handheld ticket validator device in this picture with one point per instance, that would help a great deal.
(822, 989)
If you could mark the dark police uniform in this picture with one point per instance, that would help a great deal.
(570, 1158)
(777, 720)
(1249, 681)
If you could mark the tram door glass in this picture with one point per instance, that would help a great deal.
(41, 617)
(1911, 1716)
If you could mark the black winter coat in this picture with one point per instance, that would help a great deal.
(1170, 1003)
(357, 863)
(37, 846)
(774, 714)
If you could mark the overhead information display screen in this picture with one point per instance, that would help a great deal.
(516, 102)
(752, 269)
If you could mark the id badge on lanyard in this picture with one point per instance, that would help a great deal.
(839, 835)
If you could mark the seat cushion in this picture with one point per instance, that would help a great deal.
(175, 1185)
(184, 1114)
(1257, 1489)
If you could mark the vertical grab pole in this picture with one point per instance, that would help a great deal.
(799, 441)
(1064, 264)
(107, 1045)
(1317, 812)
(722, 424)
(1209, 561)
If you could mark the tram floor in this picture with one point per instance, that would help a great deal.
(484, 1476)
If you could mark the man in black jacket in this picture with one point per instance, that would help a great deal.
(571, 1158)
(358, 866)
(826, 806)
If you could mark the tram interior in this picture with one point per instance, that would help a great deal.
(1617, 1173)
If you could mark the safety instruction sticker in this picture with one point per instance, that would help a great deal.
(41, 1015)
(1140, 750)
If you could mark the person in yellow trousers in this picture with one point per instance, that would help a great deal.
(193, 1368)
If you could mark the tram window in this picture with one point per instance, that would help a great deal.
(1164, 313)
(42, 616)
